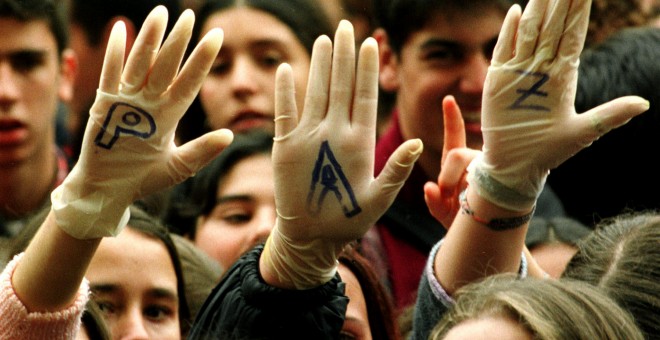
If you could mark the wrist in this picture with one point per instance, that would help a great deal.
(491, 215)
(290, 264)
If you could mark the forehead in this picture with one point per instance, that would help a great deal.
(244, 24)
(460, 27)
(18, 35)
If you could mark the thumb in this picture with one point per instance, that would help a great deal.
(611, 115)
(196, 154)
(397, 170)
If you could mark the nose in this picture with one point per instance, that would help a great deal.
(474, 74)
(243, 77)
(8, 83)
(130, 326)
(264, 220)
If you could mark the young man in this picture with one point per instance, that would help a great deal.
(36, 71)
(428, 50)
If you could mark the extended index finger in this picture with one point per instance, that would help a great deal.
(454, 126)
(113, 63)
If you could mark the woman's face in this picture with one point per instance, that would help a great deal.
(356, 325)
(244, 213)
(132, 279)
(239, 92)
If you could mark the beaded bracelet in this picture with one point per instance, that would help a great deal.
(496, 224)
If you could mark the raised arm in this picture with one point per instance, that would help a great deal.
(529, 126)
(128, 152)
(326, 193)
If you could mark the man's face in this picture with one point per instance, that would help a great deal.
(449, 56)
(30, 85)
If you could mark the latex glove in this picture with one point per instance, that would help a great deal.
(128, 150)
(442, 197)
(325, 191)
(529, 121)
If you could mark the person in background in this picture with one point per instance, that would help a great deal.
(36, 73)
(239, 92)
(429, 49)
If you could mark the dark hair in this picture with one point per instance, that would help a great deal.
(50, 11)
(380, 306)
(401, 18)
(94, 15)
(608, 17)
(622, 258)
(625, 64)
(558, 229)
(94, 323)
(146, 224)
(305, 18)
(197, 195)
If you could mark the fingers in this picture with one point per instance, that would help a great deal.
(286, 112)
(553, 29)
(343, 74)
(396, 170)
(169, 58)
(196, 154)
(197, 66)
(318, 84)
(452, 178)
(144, 50)
(365, 100)
(454, 126)
(114, 60)
(575, 32)
(506, 42)
(529, 28)
(611, 115)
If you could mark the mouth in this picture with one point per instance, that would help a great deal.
(249, 120)
(472, 120)
(12, 132)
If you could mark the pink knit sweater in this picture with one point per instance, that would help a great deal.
(17, 323)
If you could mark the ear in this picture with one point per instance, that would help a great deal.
(389, 62)
(68, 72)
(131, 31)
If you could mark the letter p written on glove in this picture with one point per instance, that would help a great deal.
(128, 150)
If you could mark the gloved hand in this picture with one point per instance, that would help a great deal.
(529, 121)
(128, 150)
(325, 191)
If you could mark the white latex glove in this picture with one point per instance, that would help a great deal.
(326, 193)
(529, 121)
(128, 150)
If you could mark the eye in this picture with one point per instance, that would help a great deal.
(272, 58)
(346, 336)
(220, 66)
(444, 56)
(237, 218)
(106, 307)
(489, 47)
(157, 312)
(25, 62)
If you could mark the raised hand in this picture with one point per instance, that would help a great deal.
(442, 197)
(326, 193)
(128, 150)
(529, 122)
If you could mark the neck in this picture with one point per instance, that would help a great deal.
(25, 186)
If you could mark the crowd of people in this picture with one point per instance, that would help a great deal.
(385, 169)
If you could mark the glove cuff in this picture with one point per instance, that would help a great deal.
(304, 266)
(87, 217)
(496, 192)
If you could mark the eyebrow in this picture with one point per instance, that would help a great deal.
(110, 288)
(233, 198)
(24, 53)
(435, 42)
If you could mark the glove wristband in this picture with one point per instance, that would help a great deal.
(303, 266)
(496, 192)
(84, 219)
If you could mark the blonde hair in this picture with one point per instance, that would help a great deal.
(547, 309)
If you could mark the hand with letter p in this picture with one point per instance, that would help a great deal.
(128, 150)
